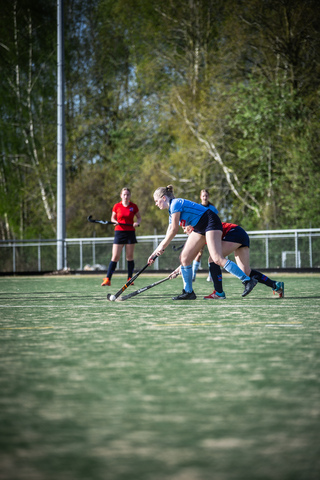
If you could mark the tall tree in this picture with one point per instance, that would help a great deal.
(221, 94)
(27, 118)
(274, 127)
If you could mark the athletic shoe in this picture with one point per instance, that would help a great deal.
(185, 296)
(215, 296)
(106, 282)
(130, 279)
(249, 285)
(209, 279)
(279, 289)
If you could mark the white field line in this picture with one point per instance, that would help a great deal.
(284, 325)
(181, 305)
(179, 324)
(25, 328)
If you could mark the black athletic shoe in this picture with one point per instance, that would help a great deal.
(185, 296)
(249, 285)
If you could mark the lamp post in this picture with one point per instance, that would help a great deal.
(61, 194)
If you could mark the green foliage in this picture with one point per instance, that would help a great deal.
(157, 92)
(27, 119)
(271, 148)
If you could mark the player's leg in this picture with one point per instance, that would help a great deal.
(216, 274)
(242, 257)
(192, 246)
(195, 242)
(116, 253)
(214, 243)
(277, 287)
(130, 259)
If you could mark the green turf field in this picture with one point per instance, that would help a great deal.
(151, 389)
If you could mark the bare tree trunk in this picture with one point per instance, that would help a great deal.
(33, 147)
(29, 130)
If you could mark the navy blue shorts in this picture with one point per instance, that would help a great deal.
(124, 238)
(208, 221)
(237, 235)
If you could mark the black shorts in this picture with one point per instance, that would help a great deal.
(124, 238)
(208, 221)
(238, 235)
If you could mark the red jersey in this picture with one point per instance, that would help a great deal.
(227, 227)
(125, 215)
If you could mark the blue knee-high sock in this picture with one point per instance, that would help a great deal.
(232, 268)
(111, 269)
(186, 273)
(195, 268)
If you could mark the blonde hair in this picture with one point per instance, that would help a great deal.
(167, 191)
(125, 188)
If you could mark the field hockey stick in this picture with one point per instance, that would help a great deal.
(108, 222)
(112, 298)
(176, 249)
(143, 289)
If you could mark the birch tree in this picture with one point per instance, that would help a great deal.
(28, 117)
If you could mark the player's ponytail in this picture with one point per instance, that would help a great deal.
(167, 191)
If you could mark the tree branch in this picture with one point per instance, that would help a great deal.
(213, 152)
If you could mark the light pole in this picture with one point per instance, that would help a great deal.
(61, 190)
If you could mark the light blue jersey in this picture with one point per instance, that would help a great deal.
(190, 212)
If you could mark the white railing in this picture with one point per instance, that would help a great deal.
(296, 248)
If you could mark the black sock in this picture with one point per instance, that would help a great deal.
(216, 275)
(263, 279)
(130, 268)
(111, 269)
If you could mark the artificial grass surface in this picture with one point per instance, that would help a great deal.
(152, 389)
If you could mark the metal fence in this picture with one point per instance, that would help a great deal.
(270, 249)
